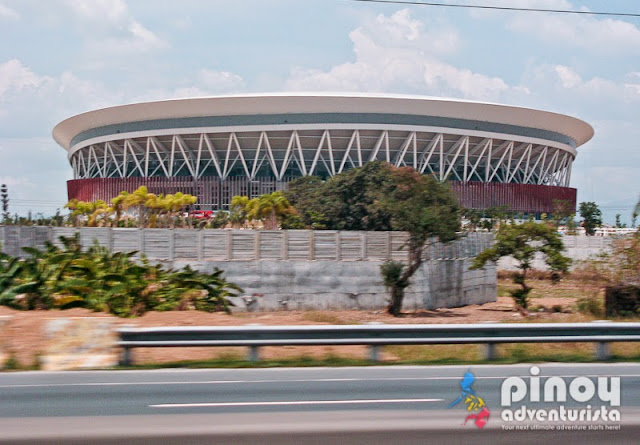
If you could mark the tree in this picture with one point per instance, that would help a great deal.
(4, 198)
(379, 196)
(571, 225)
(591, 217)
(238, 211)
(93, 212)
(427, 210)
(347, 201)
(268, 208)
(562, 210)
(522, 242)
(635, 213)
(473, 218)
(306, 196)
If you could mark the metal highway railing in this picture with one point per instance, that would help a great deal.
(376, 335)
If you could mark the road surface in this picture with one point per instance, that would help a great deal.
(287, 405)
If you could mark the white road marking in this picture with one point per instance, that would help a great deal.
(222, 382)
(292, 403)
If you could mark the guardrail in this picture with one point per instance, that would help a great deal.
(377, 335)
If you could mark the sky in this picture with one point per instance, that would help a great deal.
(63, 57)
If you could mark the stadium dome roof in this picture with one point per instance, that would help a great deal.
(67, 131)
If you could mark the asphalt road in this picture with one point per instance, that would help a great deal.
(287, 405)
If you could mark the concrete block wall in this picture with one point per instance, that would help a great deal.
(317, 285)
(296, 269)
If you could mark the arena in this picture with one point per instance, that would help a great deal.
(219, 147)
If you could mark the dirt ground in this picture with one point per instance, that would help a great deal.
(24, 339)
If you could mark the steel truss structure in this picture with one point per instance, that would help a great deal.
(219, 147)
(281, 153)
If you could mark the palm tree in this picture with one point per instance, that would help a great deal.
(269, 208)
(137, 201)
(118, 206)
(238, 211)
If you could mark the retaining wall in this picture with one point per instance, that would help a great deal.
(296, 269)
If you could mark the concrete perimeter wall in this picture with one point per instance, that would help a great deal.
(296, 269)
(578, 248)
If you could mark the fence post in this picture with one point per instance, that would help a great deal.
(602, 351)
(109, 239)
(490, 352)
(374, 353)
(200, 244)
(172, 245)
(256, 245)
(285, 245)
(141, 242)
(312, 246)
(125, 356)
(254, 354)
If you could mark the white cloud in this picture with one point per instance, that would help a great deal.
(15, 76)
(604, 35)
(111, 11)
(205, 82)
(30, 104)
(398, 53)
(220, 81)
(111, 27)
(562, 84)
(8, 13)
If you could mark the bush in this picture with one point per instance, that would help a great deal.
(591, 305)
(103, 281)
(622, 301)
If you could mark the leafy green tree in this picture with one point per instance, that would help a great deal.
(306, 196)
(348, 201)
(378, 196)
(474, 218)
(522, 242)
(619, 223)
(635, 213)
(571, 225)
(424, 208)
(591, 217)
(351, 200)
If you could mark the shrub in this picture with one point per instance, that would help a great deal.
(591, 305)
(100, 280)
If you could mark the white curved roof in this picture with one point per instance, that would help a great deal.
(293, 103)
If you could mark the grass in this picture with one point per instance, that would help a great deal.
(425, 355)
(322, 317)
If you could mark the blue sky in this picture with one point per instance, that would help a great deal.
(63, 57)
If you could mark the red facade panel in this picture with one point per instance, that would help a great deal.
(527, 198)
(214, 194)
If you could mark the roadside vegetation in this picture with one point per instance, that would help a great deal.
(102, 281)
(522, 242)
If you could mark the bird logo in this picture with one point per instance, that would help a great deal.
(473, 402)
